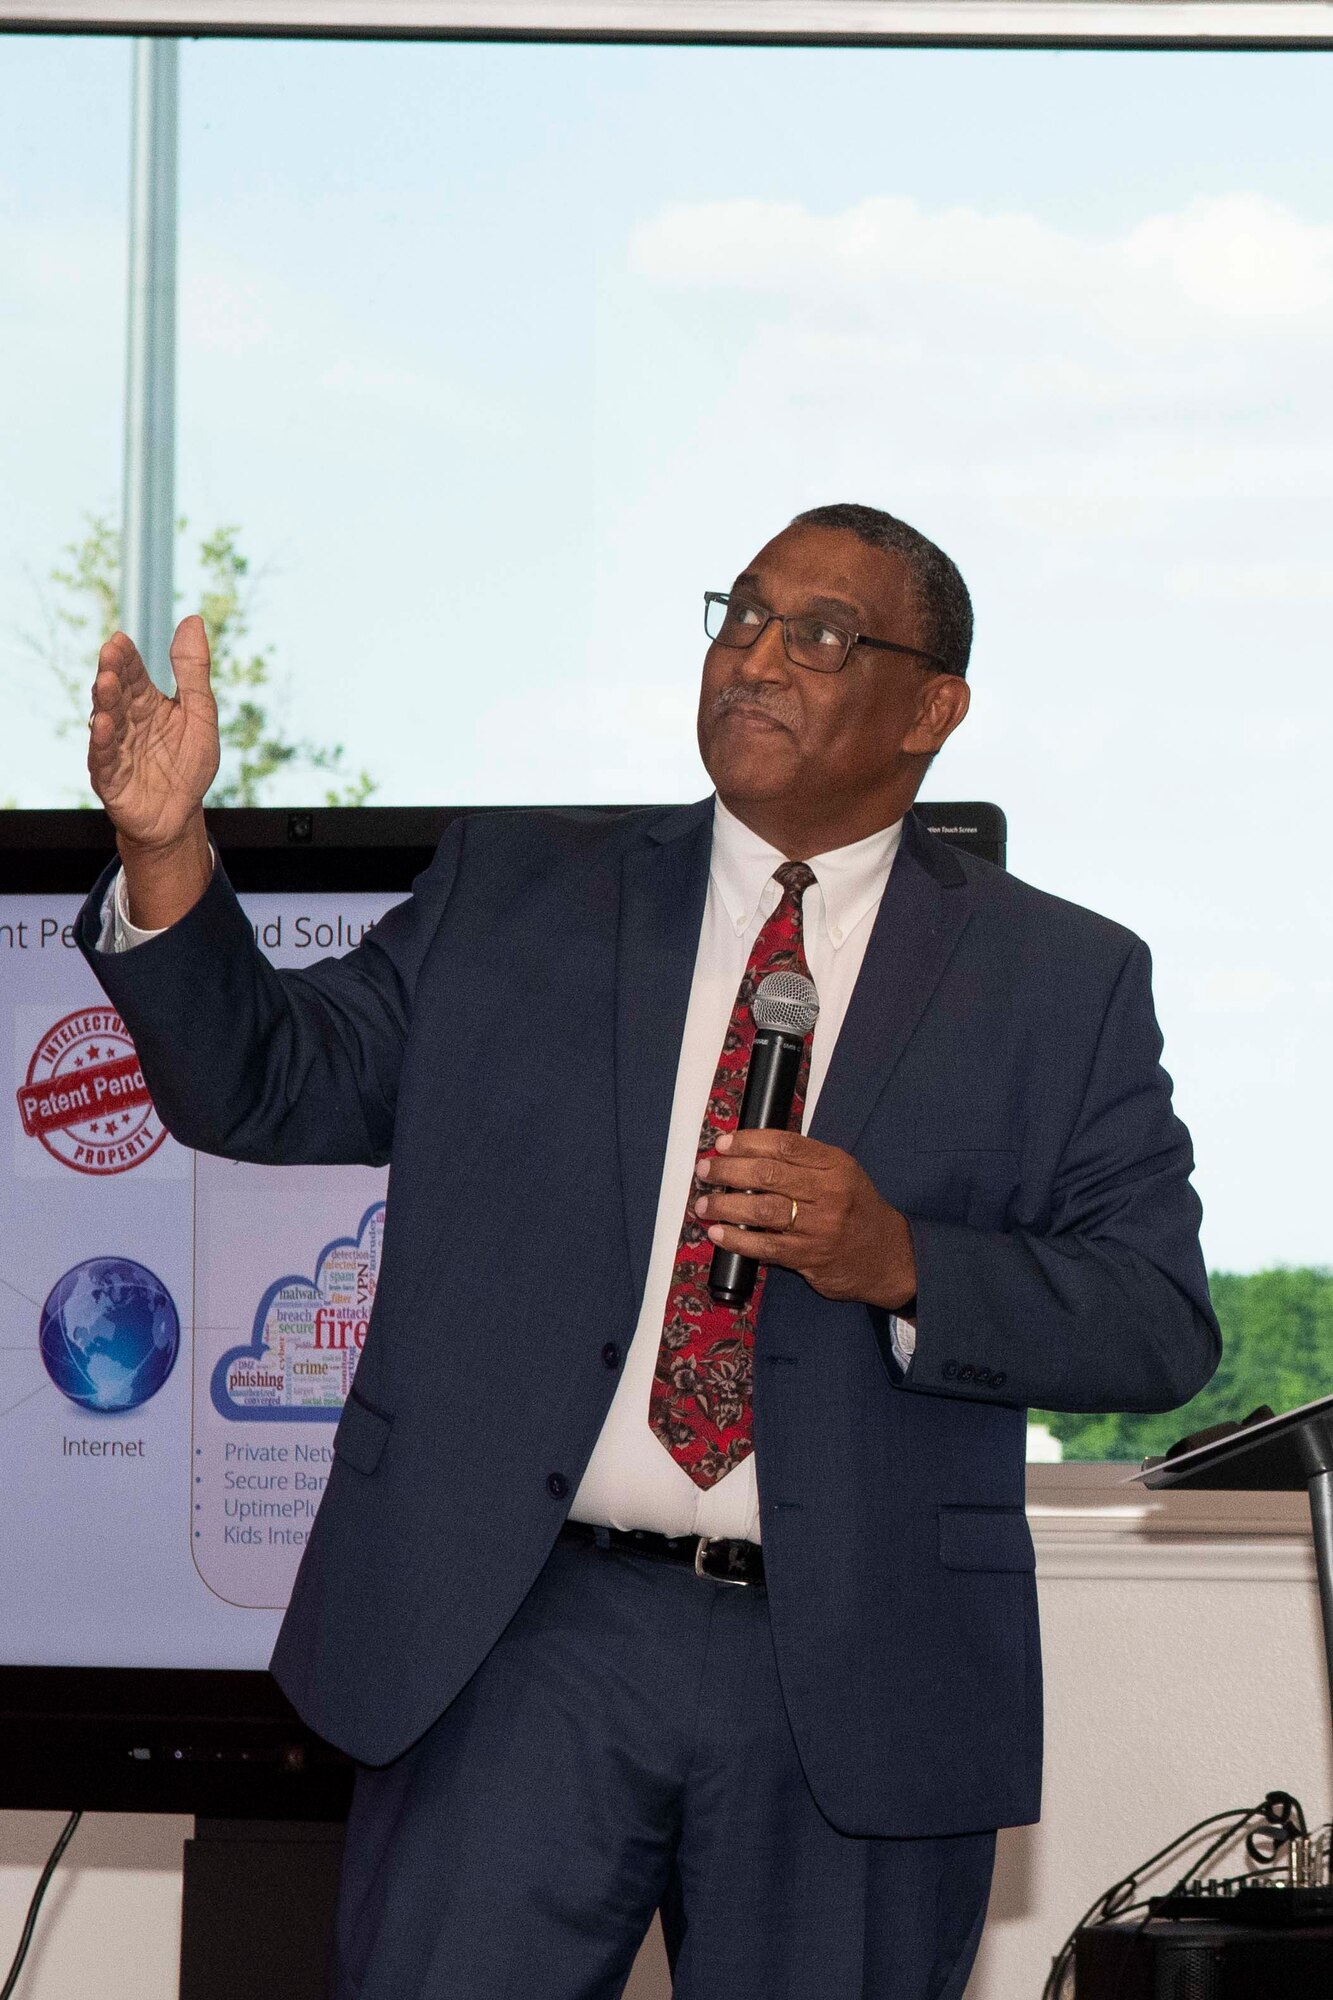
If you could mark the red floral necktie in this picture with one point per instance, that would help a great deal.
(699, 1407)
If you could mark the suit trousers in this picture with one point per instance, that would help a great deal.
(624, 1748)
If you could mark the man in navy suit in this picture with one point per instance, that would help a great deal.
(624, 1600)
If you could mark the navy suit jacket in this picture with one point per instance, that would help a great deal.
(507, 1039)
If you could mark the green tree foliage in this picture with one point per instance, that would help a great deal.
(256, 749)
(1277, 1348)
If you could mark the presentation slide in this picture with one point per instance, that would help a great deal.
(177, 1332)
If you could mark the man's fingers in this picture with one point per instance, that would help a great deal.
(118, 663)
(110, 698)
(760, 1174)
(103, 735)
(108, 720)
(765, 1247)
(770, 1212)
(190, 658)
(812, 1153)
(121, 691)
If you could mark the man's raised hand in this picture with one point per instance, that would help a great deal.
(151, 759)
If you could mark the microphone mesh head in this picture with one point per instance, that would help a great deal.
(786, 1002)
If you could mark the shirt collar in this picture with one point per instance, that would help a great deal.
(851, 879)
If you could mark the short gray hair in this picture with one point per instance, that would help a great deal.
(942, 602)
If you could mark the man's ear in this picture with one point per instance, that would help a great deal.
(944, 702)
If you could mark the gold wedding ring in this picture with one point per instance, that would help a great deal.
(795, 1210)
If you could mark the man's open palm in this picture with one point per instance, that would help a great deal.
(151, 758)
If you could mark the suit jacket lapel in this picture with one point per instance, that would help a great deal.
(663, 887)
(920, 920)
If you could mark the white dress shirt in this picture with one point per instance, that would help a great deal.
(631, 1480)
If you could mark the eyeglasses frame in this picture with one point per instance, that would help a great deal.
(724, 597)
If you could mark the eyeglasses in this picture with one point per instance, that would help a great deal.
(733, 620)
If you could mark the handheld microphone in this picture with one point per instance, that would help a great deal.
(785, 1008)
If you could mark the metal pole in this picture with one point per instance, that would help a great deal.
(1321, 1521)
(147, 600)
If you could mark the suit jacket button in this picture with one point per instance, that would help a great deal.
(984, 1377)
(998, 1379)
(557, 1485)
(611, 1355)
(949, 1370)
(967, 1373)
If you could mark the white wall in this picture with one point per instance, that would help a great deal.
(1166, 1700)
(1184, 1675)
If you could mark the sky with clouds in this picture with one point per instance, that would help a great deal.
(500, 356)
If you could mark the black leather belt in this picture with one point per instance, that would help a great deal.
(712, 1556)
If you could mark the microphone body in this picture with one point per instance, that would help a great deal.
(783, 1018)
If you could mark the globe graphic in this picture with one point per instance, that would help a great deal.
(110, 1334)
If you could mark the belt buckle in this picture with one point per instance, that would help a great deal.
(701, 1551)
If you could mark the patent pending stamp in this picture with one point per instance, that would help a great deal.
(84, 1097)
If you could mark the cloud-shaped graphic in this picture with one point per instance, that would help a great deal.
(307, 1338)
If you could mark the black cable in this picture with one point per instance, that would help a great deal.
(1277, 1809)
(34, 1907)
(1201, 1861)
(1105, 1906)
